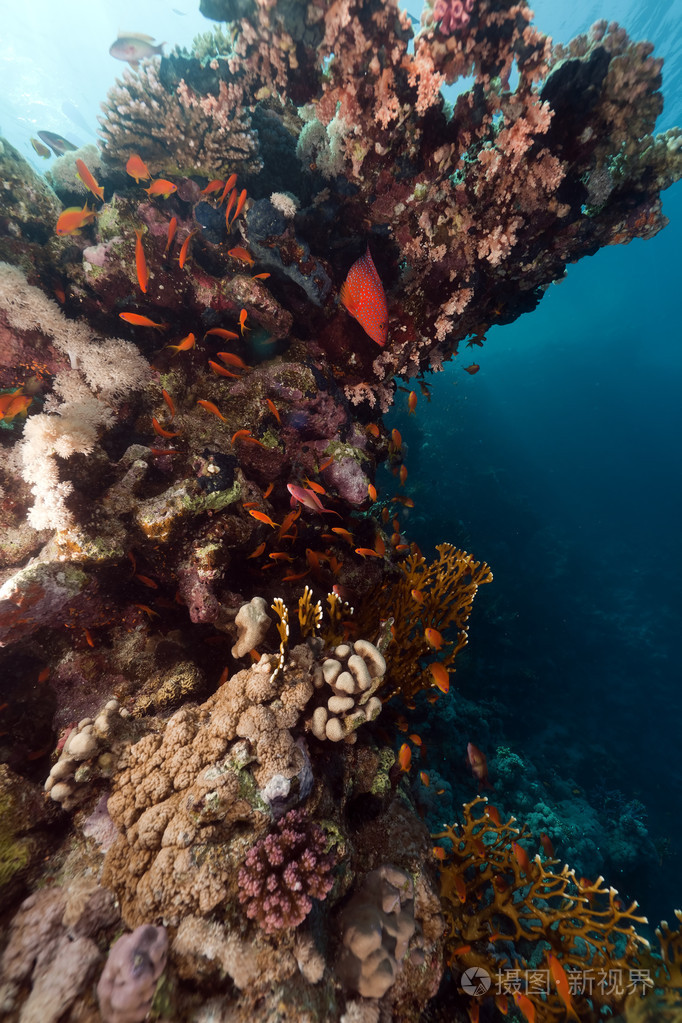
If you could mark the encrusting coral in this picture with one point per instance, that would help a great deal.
(191, 783)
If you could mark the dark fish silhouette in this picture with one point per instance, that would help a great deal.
(57, 143)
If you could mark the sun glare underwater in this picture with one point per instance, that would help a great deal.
(340, 502)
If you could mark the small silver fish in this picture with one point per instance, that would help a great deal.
(134, 47)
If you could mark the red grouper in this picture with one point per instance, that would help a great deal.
(362, 293)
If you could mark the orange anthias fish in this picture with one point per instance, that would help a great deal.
(142, 321)
(226, 335)
(344, 534)
(546, 843)
(494, 814)
(242, 320)
(161, 187)
(169, 402)
(560, 979)
(88, 180)
(273, 408)
(172, 228)
(212, 186)
(362, 293)
(212, 407)
(441, 676)
(230, 359)
(240, 253)
(473, 368)
(184, 249)
(405, 757)
(220, 371)
(240, 204)
(262, 517)
(159, 430)
(184, 345)
(433, 638)
(521, 857)
(479, 765)
(14, 404)
(412, 403)
(137, 168)
(141, 264)
(73, 219)
(229, 185)
(228, 208)
(525, 1005)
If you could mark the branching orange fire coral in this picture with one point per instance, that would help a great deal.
(505, 910)
(424, 601)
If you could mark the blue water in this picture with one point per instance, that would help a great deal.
(558, 463)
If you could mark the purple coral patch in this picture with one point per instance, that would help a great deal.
(284, 872)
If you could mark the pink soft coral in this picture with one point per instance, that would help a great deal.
(453, 15)
(284, 871)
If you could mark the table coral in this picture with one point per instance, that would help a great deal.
(192, 132)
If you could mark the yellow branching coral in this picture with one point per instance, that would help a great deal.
(309, 614)
(426, 597)
(312, 621)
(505, 910)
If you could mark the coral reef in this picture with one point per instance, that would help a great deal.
(190, 427)
(502, 902)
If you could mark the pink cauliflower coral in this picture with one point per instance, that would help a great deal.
(284, 871)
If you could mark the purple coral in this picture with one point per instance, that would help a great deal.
(136, 961)
(284, 871)
(453, 15)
